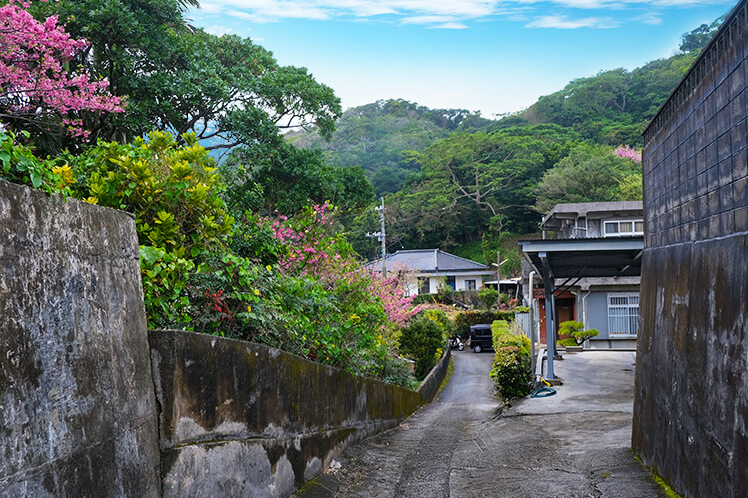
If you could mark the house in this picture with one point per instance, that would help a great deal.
(593, 267)
(429, 269)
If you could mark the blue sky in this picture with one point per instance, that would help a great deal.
(482, 55)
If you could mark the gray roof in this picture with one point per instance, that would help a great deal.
(429, 261)
(580, 258)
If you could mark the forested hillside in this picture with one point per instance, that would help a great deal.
(456, 180)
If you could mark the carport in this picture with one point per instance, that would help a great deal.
(574, 259)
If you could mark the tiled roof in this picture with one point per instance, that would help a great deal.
(430, 260)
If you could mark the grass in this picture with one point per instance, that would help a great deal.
(666, 488)
(450, 371)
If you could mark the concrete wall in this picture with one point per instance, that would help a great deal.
(240, 419)
(691, 406)
(77, 408)
(80, 378)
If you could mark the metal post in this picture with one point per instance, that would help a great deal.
(550, 327)
(532, 322)
(498, 278)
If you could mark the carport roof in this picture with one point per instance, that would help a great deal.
(581, 258)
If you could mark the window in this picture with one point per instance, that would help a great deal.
(623, 315)
(424, 285)
(451, 282)
(469, 284)
(625, 228)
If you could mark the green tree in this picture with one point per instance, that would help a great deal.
(285, 178)
(226, 90)
(589, 173)
(698, 38)
(470, 183)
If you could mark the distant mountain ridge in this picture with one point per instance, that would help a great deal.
(612, 108)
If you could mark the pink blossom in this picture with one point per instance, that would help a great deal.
(629, 153)
(33, 78)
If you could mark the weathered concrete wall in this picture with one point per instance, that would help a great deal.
(77, 408)
(78, 411)
(241, 419)
(691, 405)
(433, 381)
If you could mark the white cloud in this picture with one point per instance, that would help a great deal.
(441, 22)
(451, 14)
(219, 30)
(270, 10)
(652, 18)
(562, 22)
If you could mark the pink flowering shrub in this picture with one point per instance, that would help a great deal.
(628, 153)
(35, 79)
(342, 313)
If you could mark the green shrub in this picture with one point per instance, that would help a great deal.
(488, 297)
(420, 340)
(447, 325)
(426, 299)
(576, 331)
(512, 363)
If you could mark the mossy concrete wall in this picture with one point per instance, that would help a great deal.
(77, 407)
(691, 405)
(241, 419)
(80, 377)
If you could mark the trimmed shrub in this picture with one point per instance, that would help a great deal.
(575, 330)
(512, 362)
(420, 340)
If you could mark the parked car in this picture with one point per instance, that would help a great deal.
(480, 337)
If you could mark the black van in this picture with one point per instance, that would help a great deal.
(481, 337)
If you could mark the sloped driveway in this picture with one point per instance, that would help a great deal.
(574, 444)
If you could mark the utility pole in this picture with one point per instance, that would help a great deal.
(381, 235)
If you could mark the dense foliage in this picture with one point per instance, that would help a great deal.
(380, 137)
(512, 362)
(217, 255)
(226, 90)
(454, 180)
(424, 338)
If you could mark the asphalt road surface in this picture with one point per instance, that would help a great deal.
(574, 444)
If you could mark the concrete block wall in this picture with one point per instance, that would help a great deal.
(77, 407)
(691, 404)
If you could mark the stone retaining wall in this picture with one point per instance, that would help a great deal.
(241, 419)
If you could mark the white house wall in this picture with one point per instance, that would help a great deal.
(439, 280)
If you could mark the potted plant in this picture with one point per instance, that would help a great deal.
(576, 335)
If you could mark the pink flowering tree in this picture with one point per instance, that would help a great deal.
(629, 153)
(343, 313)
(38, 88)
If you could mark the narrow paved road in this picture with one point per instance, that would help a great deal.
(574, 444)
(415, 459)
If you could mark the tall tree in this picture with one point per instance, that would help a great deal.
(590, 173)
(224, 89)
(39, 90)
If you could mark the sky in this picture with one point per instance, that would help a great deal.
(496, 57)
